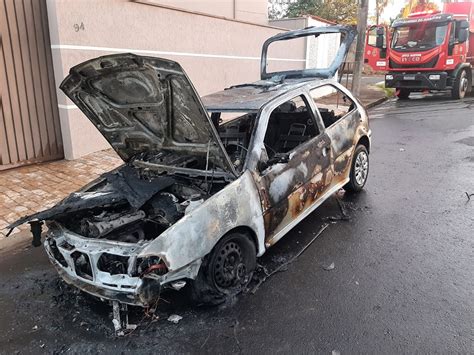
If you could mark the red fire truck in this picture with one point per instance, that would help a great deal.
(428, 50)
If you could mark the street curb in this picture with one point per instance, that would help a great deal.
(376, 102)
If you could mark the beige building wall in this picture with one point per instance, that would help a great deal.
(215, 52)
(245, 10)
(320, 51)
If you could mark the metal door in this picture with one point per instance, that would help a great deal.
(29, 119)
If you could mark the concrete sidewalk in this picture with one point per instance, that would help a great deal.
(370, 93)
(33, 188)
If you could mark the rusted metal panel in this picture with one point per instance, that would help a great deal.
(289, 189)
(29, 121)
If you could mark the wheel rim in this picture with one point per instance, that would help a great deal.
(230, 269)
(361, 168)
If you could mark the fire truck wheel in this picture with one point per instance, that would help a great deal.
(403, 94)
(461, 85)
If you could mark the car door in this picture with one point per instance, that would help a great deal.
(293, 171)
(376, 57)
(341, 118)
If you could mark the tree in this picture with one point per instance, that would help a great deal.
(414, 6)
(277, 9)
(340, 11)
(380, 5)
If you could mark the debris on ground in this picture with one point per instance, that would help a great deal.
(235, 335)
(402, 149)
(178, 285)
(329, 267)
(344, 214)
(120, 319)
(284, 266)
(468, 196)
(174, 318)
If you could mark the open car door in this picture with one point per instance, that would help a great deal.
(376, 53)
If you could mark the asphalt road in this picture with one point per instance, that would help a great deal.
(402, 280)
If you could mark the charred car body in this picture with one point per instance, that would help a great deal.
(200, 197)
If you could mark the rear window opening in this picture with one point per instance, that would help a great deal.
(310, 52)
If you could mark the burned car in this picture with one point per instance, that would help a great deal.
(207, 185)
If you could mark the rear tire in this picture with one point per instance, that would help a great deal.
(359, 170)
(226, 271)
(461, 86)
(403, 94)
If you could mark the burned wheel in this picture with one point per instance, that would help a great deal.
(225, 271)
(359, 170)
(229, 268)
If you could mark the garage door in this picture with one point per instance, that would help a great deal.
(29, 118)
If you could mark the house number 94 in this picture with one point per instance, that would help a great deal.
(79, 27)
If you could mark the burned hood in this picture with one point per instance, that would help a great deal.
(145, 105)
(117, 187)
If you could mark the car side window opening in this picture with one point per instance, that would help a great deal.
(332, 103)
(235, 130)
(290, 125)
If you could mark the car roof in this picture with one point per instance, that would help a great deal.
(251, 97)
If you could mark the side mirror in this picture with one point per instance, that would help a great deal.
(379, 41)
(279, 158)
(463, 35)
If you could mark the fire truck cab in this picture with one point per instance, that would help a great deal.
(431, 51)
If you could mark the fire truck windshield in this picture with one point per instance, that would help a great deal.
(419, 37)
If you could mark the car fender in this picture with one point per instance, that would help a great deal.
(194, 236)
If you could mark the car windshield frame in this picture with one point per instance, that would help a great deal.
(417, 36)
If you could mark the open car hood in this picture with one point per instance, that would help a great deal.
(145, 105)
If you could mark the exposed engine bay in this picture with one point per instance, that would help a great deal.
(123, 223)
(129, 204)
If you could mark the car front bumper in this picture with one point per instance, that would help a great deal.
(417, 81)
(76, 259)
